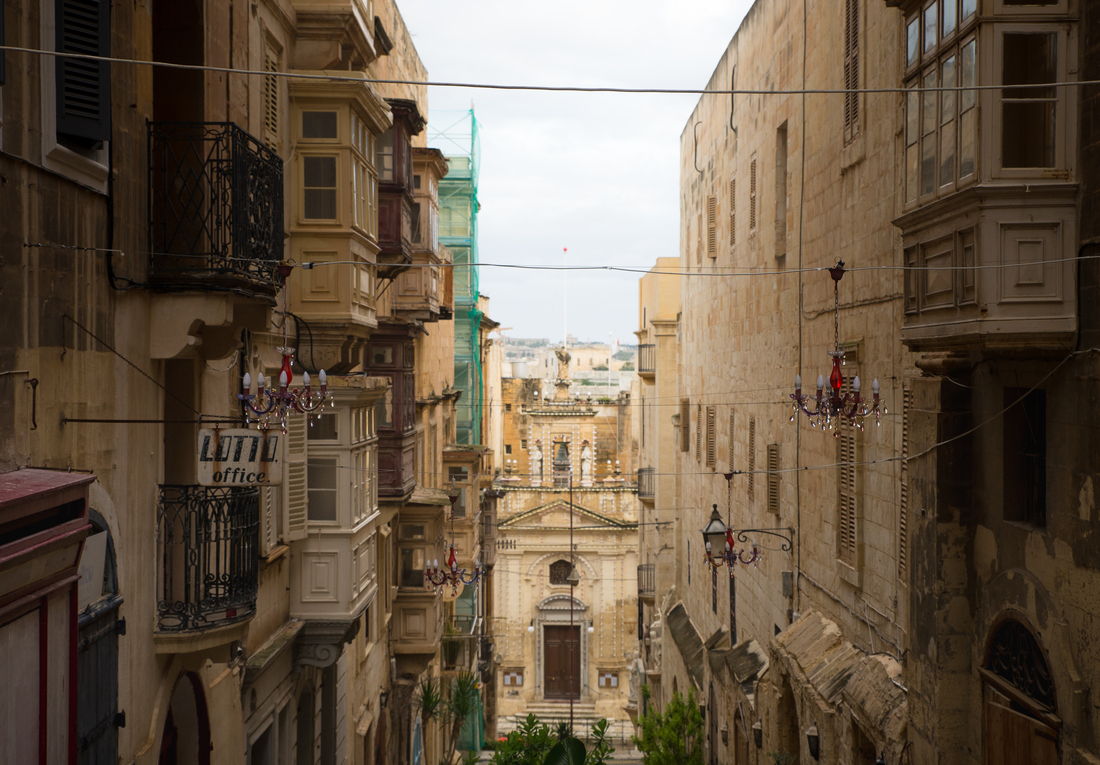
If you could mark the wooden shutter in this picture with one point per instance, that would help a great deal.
(685, 425)
(851, 69)
(712, 227)
(699, 239)
(903, 504)
(711, 436)
(752, 196)
(295, 483)
(698, 432)
(83, 86)
(731, 441)
(733, 211)
(846, 493)
(271, 108)
(773, 478)
(269, 519)
(752, 458)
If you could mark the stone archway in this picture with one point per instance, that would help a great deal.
(186, 736)
(1019, 700)
(789, 740)
(556, 642)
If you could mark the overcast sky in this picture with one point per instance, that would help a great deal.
(597, 173)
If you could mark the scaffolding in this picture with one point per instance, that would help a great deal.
(456, 135)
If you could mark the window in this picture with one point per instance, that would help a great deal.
(384, 410)
(322, 489)
(319, 184)
(507, 407)
(851, 72)
(733, 211)
(699, 432)
(685, 425)
(83, 87)
(1028, 115)
(752, 458)
(733, 610)
(507, 448)
(319, 125)
(416, 237)
(713, 590)
(774, 477)
(847, 500)
(523, 444)
(752, 196)
(384, 156)
(712, 227)
(559, 572)
(711, 436)
(323, 428)
(731, 441)
(271, 105)
(903, 503)
(458, 476)
(1025, 457)
(781, 188)
(413, 563)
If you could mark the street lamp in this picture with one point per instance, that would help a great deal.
(813, 741)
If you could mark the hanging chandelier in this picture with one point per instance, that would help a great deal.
(436, 578)
(719, 545)
(836, 407)
(268, 403)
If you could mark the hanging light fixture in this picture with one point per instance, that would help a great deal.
(438, 578)
(719, 546)
(266, 402)
(835, 407)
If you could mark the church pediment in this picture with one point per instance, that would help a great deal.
(555, 515)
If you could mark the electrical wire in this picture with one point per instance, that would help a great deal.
(334, 77)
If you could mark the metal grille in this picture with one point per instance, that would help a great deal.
(647, 483)
(1015, 655)
(208, 539)
(647, 579)
(215, 206)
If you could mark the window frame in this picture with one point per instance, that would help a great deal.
(335, 157)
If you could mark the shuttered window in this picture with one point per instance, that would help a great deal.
(752, 458)
(685, 425)
(731, 441)
(711, 435)
(847, 499)
(903, 503)
(752, 196)
(271, 97)
(773, 478)
(294, 487)
(851, 69)
(699, 239)
(699, 432)
(733, 211)
(83, 86)
(712, 227)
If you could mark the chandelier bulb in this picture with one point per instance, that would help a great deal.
(247, 382)
(260, 382)
(324, 378)
(305, 379)
(282, 379)
(874, 386)
(855, 384)
(820, 382)
(798, 382)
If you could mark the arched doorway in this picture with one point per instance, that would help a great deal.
(1020, 705)
(740, 740)
(186, 737)
(789, 741)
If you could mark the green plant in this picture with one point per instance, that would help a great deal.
(526, 745)
(571, 750)
(429, 700)
(461, 703)
(780, 758)
(674, 737)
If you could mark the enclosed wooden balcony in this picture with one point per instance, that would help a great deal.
(391, 354)
(647, 359)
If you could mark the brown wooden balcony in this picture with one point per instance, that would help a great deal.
(395, 187)
(215, 208)
(647, 359)
(647, 581)
(647, 483)
(391, 354)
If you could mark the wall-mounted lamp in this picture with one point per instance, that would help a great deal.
(881, 760)
(758, 734)
(813, 741)
(591, 629)
(383, 697)
(725, 734)
(531, 627)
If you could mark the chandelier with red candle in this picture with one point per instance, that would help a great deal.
(833, 408)
(267, 403)
(436, 578)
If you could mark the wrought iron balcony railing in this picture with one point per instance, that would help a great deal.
(647, 483)
(647, 359)
(215, 207)
(208, 539)
(647, 580)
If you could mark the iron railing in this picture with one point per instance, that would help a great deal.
(647, 483)
(209, 544)
(215, 206)
(647, 359)
(647, 579)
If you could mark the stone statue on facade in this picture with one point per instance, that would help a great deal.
(563, 362)
(586, 464)
(636, 679)
(535, 462)
(656, 630)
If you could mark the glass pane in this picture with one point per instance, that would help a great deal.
(384, 156)
(416, 222)
(1027, 137)
(1027, 133)
(947, 112)
(930, 28)
(321, 476)
(969, 7)
(928, 117)
(967, 75)
(912, 41)
(912, 117)
(948, 17)
(911, 170)
(384, 410)
(947, 154)
(320, 172)
(320, 204)
(318, 124)
(1029, 58)
(412, 567)
(966, 142)
(323, 427)
(928, 164)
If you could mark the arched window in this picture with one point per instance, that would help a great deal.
(1015, 656)
(1019, 699)
(559, 572)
